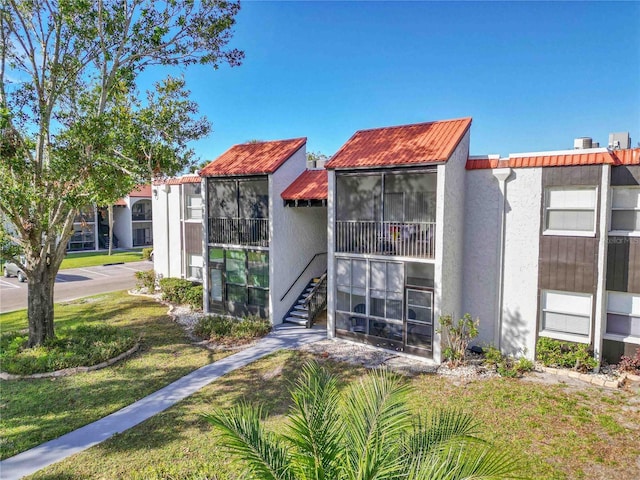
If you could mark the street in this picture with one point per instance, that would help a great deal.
(74, 283)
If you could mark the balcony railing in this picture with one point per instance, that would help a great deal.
(239, 231)
(404, 239)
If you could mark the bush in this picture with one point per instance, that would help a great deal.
(175, 290)
(630, 364)
(554, 353)
(229, 330)
(507, 365)
(458, 336)
(146, 253)
(193, 297)
(146, 279)
(82, 346)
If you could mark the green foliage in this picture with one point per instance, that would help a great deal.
(146, 279)
(179, 291)
(75, 130)
(146, 253)
(365, 432)
(81, 346)
(230, 330)
(506, 365)
(630, 364)
(194, 297)
(554, 353)
(458, 334)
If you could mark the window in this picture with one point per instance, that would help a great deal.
(570, 211)
(566, 316)
(385, 294)
(625, 210)
(141, 210)
(193, 202)
(194, 269)
(623, 316)
(351, 278)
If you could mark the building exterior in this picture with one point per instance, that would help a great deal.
(396, 218)
(132, 224)
(177, 227)
(551, 249)
(260, 250)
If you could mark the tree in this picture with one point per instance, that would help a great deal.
(366, 433)
(314, 158)
(73, 130)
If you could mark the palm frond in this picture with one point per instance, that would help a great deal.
(376, 417)
(315, 427)
(465, 461)
(437, 428)
(265, 457)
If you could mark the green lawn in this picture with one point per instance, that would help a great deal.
(91, 259)
(560, 432)
(34, 411)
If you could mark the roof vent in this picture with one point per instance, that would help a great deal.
(619, 141)
(582, 143)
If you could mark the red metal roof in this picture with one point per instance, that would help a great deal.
(420, 143)
(190, 178)
(141, 191)
(310, 185)
(253, 158)
(559, 159)
(627, 157)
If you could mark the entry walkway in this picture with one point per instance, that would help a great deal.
(53, 451)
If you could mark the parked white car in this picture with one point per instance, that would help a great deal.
(12, 270)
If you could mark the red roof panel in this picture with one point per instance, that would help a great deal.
(421, 143)
(141, 191)
(627, 157)
(560, 159)
(253, 158)
(310, 185)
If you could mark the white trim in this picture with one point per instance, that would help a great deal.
(566, 337)
(581, 151)
(568, 233)
(622, 338)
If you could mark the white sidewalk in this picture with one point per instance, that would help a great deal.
(53, 451)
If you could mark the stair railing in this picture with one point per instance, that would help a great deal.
(316, 302)
(302, 273)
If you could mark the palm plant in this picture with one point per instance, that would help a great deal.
(364, 434)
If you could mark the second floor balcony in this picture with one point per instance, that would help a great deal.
(403, 239)
(239, 231)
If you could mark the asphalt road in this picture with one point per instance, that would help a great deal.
(74, 283)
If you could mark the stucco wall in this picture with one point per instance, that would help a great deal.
(481, 244)
(331, 281)
(167, 241)
(296, 234)
(450, 238)
(522, 235)
(122, 225)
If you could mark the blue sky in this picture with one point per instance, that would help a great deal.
(532, 75)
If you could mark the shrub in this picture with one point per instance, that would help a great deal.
(84, 345)
(507, 365)
(458, 336)
(554, 353)
(630, 364)
(229, 330)
(175, 290)
(146, 279)
(193, 297)
(146, 253)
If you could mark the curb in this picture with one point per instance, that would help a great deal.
(73, 370)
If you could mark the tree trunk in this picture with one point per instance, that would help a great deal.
(40, 305)
(110, 209)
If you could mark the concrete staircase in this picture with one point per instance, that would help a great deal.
(298, 314)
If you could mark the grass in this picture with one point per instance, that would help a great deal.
(92, 259)
(34, 411)
(559, 432)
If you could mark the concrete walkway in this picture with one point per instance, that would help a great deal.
(53, 451)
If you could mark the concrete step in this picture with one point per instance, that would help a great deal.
(296, 321)
(299, 314)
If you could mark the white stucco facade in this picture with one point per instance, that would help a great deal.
(296, 235)
(167, 245)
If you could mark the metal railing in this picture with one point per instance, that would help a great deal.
(239, 231)
(410, 239)
(316, 302)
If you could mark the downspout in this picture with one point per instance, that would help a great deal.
(502, 175)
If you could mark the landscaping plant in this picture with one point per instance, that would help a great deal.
(366, 432)
(146, 279)
(630, 364)
(506, 365)
(554, 353)
(230, 330)
(146, 253)
(458, 335)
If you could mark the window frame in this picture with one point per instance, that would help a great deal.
(570, 233)
(623, 233)
(616, 336)
(565, 336)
